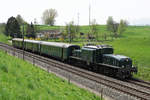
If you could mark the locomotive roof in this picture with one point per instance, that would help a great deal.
(104, 46)
(92, 47)
(118, 57)
(57, 44)
(97, 46)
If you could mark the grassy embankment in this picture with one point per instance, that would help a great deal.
(4, 39)
(19, 80)
(135, 43)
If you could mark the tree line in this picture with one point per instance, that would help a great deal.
(14, 27)
(116, 28)
(113, 28)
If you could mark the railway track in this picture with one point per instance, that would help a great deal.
(140, 83)
(104, 80)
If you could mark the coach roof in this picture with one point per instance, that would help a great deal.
(56, 44)
(18, 39)
(26, 40)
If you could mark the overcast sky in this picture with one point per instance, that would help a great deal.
(134, 11)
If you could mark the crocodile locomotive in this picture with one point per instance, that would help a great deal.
(99, 58)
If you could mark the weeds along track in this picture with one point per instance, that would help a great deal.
(138, 90)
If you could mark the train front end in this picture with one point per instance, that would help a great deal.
(124, 67)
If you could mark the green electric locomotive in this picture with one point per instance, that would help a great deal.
(101, 59)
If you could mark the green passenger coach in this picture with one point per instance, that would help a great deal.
(17, 43)
(57, 50)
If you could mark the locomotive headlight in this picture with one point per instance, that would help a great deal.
(122, 66)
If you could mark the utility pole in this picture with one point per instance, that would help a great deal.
(89, 35)
(35, 27)
(77, 26)
(23, 41)
(69, 33)
(89, 14)
(78, 18)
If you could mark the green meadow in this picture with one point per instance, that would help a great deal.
(47, 27)
(20, 80)
(134, 42)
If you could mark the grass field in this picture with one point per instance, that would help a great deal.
(19, 80)
(135, 43)
(46, 27)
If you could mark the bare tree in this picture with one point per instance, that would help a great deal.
(112, 26)
(36, 28)
(63, 33)
(49, 16)
(94, 28)
(20, 19)
(122, 26)
(71, 30)
(47, 36)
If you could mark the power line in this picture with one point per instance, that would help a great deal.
(89, 14)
